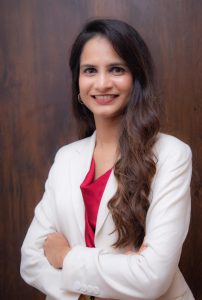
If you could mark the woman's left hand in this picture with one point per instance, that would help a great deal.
(56, 248)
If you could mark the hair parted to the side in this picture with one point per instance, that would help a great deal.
(140, 125)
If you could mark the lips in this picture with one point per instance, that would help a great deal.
(104, 99)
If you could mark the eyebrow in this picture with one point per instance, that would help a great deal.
(115, 64)
(87, 66)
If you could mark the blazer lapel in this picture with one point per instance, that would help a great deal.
(103, 211)
(79, 166)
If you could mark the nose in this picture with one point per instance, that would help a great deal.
(103, 82)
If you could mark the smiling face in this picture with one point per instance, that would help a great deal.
(105, 81)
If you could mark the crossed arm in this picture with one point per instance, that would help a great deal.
(56, 247)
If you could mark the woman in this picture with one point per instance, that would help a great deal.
(116, 208)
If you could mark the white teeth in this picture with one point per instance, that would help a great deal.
(104, 97)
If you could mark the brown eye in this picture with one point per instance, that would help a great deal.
(117, 70)
(89, 71)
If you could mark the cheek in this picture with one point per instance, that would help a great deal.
(130, 86)
(84, 84)
(125, 84)
(130, 82)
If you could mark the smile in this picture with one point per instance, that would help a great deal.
(104, 99)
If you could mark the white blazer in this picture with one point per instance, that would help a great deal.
(103, 271)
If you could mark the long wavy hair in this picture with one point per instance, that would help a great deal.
(140, 125)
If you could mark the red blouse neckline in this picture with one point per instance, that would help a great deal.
(92, 191)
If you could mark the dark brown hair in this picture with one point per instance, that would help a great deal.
(140, 124)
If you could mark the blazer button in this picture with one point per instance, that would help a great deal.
(77, 285)
(96, 291)
(83, 288)
(90, 289)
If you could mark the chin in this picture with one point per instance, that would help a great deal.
(108, 114)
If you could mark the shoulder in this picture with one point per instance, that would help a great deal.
(73, 149)
(173, 172)
(71, 153)
(168, 146)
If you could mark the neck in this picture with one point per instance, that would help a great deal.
(107, 132)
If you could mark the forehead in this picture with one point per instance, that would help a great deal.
(99, 49)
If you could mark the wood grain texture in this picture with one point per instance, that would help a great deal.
(35, 110)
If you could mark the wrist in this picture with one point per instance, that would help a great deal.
(64, 254)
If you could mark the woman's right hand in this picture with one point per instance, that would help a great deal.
(56, 248)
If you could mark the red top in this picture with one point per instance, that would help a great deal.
(92, 191)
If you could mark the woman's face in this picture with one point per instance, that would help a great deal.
(105, 81)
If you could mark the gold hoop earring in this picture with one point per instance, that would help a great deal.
(79, 99)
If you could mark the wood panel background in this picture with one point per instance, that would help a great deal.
(35, 112)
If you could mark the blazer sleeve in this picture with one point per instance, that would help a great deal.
(35, 268)
(148, 275)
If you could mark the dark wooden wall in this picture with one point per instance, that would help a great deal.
(35, 112)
